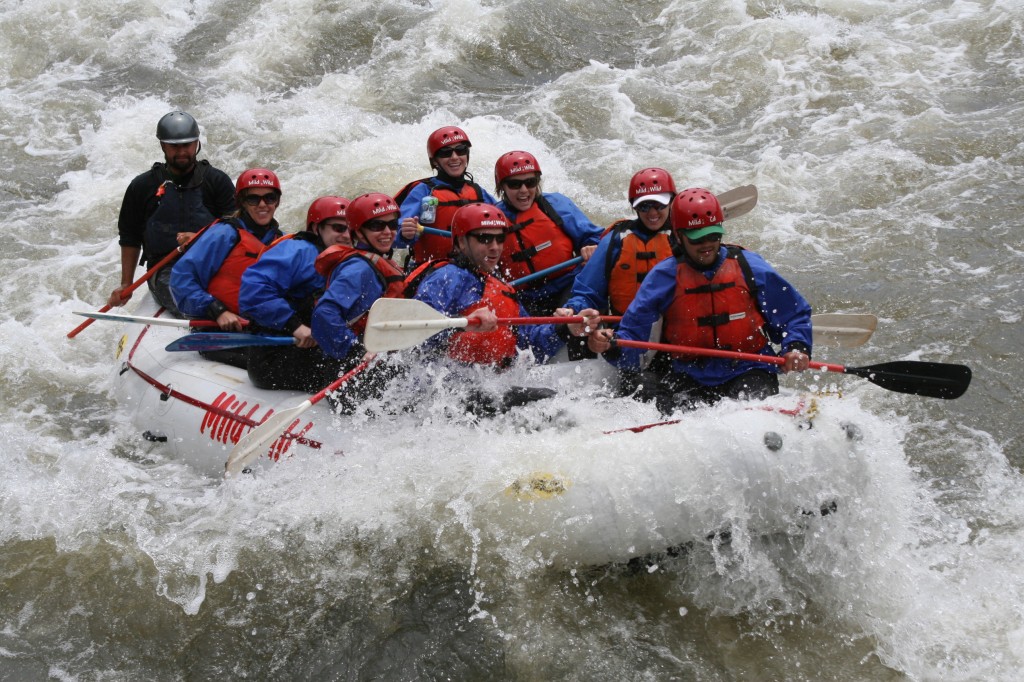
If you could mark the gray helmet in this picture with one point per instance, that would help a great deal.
(177, 127)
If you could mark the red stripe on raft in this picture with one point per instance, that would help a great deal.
(283, 442)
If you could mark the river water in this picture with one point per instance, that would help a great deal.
(885, 139)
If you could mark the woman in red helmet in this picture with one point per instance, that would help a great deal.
(712, 295)
(357, 276)
(205, 281)
(278, 294)
(431, 202)
(629, 249)
(547, 229)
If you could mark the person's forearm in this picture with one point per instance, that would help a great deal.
(129, 259)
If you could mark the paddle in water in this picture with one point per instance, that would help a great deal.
(256, 442)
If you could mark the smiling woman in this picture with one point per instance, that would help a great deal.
(206, 281)
(433, 201)
(548, 231)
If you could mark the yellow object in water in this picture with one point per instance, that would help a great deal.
(538, 486)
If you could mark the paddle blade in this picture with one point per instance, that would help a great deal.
(929, 379)
(253, 444)
(397, 323)
(223, 340)
(737, 202)
(843, 329)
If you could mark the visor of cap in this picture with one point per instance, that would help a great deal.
(664, 198)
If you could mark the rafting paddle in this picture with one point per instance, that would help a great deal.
(158, 321)
(929, 379)
(397, 323)
(207, 341)
(254, 443)
(145, 276)
(546, 271)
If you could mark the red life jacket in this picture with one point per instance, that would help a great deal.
(226, 282)
(390, 275)
(635, 260)
(538, 242)
(488, 348)
(717, 313)
(432, 246)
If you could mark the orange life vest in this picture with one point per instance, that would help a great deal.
(718, 313)
(432, 246)
(538, 241)
(488, 348)
(390, 275)
(635, 260)
(227, 281)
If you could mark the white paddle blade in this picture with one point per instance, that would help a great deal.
(116, 317)
(737, 202)
(397, 323)
(257, 442)
(841, 329)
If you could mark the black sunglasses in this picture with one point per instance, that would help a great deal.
(489, 238)
(381, 225)
(516, 184)
(706, 239)
(646, 206)
(445, 152)
(255, 199)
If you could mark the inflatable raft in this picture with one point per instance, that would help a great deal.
(574, 481)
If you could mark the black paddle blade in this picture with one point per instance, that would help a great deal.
(930, 379)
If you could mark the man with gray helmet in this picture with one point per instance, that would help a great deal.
(164, 205)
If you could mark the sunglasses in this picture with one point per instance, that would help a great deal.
(646, 206)
(706, 239)
(446, 152)
(516, 184)
(381, 225)
(255, 199)
(489, 238)
(337, 227)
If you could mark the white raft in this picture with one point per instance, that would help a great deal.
(585, 490)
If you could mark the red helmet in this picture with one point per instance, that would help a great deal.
(472, 217)
(514, 163)
(695, 209)
(257, 177)
(367, 207)
(324, 208)
(442, 137)
(650, 181)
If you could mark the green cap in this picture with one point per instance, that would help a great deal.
(704, 231)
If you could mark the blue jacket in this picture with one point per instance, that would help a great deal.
(353, 287)
(451, 289)
(192, 273)
(412, 205)
(576, 226)
(787, 320)
(590, 290)
(275, 287)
